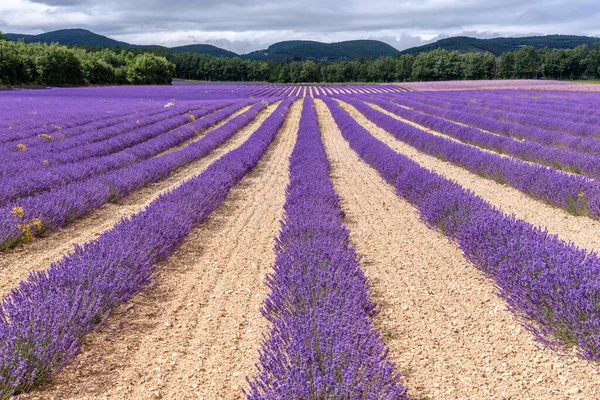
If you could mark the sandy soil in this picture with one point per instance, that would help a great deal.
(16, 264)
(196, 334)
(447, 330)
(582, 231)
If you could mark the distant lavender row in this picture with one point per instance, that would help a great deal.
(103, 144)
(576, 194)
(322, 344)
(47, 115)
(550, 285)
(44, 322)
(580, 109)
(564, 159)
(55, 208)
(28, 113)
(39, 147)
(543, 118)
(514, 84)
(549, 138)
(129, 149)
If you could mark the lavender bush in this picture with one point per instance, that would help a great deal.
(576, 194)
(530, 133)
(322, 344)
(551, 286)
(564, 159)
(57, 207)
(44, 321)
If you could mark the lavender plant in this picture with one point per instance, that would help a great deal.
(576, 194)
(322, 344)
(45, 320)
(551, 286)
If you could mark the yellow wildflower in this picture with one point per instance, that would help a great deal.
(45, 136)
(26, 229)
(581, 194)
(19, 212)
(37, 223)
(104, 101)
(45, 162)
(21, 146)
(192, 118)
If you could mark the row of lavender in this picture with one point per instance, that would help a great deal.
(578, 114)
(550, 285)
(29, 113)
(550, 137)
(57, 149)
(116, 150)
(44, 321)
(34, 215)
(560, 158)
(322, 343)
(576, 194)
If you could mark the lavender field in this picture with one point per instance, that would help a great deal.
(208, 241)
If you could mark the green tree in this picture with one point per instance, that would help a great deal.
(147, 68)
(525, 66)
(592, 62)
(506, 68)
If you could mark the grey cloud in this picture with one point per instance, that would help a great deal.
(245, 25)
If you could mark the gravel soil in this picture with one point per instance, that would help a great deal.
(196, 333)
(581, 230)
(448, 332)
(17, 263)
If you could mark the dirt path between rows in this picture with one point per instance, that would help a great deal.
(196, 334)
(447, 330)
(583, 231)
(16, 264)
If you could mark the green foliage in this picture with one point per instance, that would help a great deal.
(439, 64)
(297, 62)
(146, 69)
(57, 65)
(526, 65)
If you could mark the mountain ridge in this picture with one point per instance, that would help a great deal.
(497, 46)
(319, 51)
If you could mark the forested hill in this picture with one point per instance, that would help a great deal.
(83, 37)
(204, 49)
(70, 37)
(497, 46)
(306, 49)
(299, 49)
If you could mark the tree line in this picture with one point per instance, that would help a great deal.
(24, 64)
(56, 65)
(435, 65)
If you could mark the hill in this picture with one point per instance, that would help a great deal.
(306, 49)
(204, 49)
(497, 46)
(70, 37)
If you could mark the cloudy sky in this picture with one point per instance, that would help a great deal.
(246, 25)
